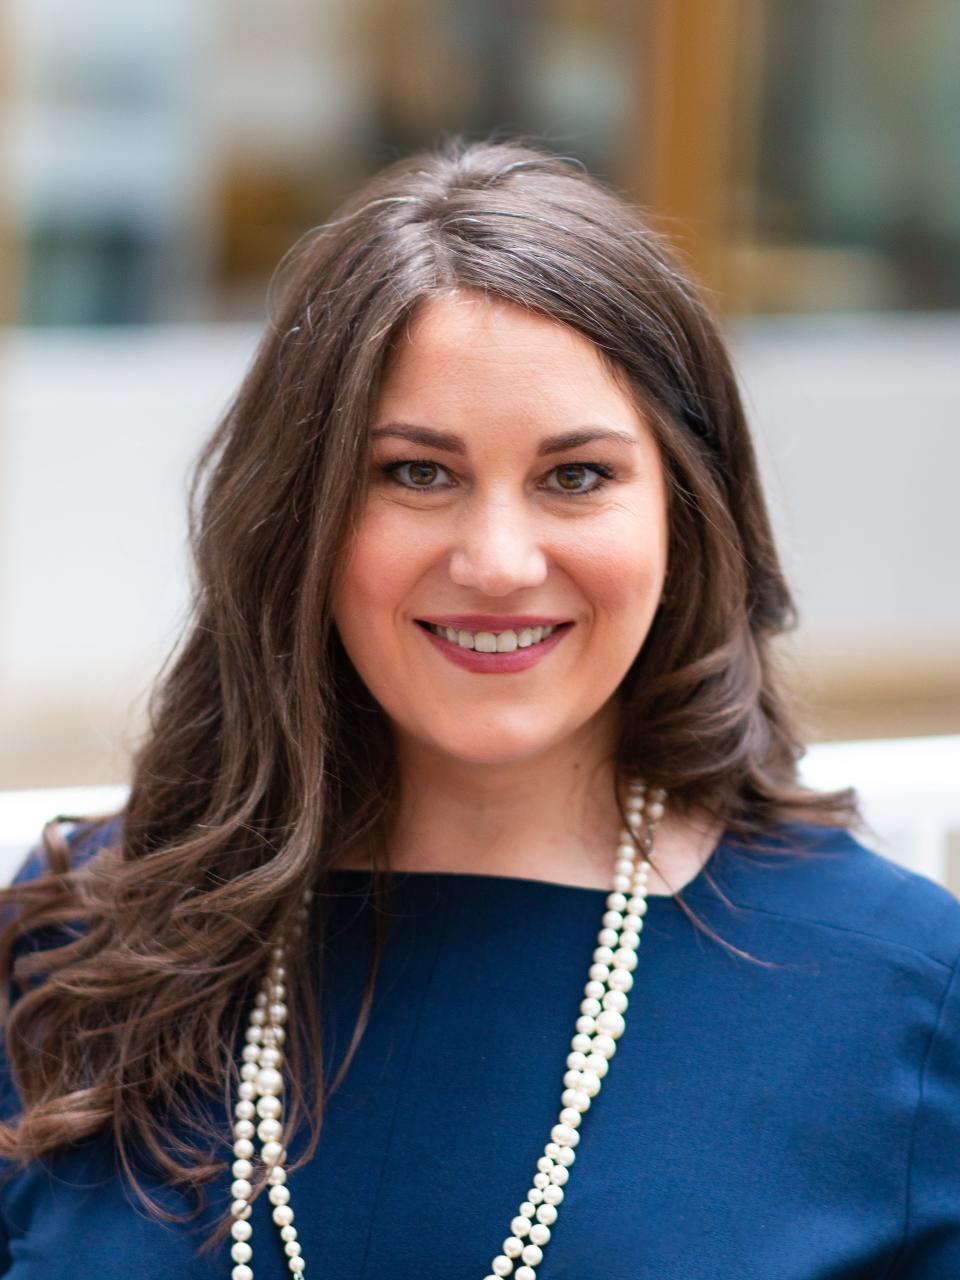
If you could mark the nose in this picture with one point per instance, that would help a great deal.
(496, 551)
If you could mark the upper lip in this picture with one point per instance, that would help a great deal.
(492, 621)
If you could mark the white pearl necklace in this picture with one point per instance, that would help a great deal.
(599, 1027)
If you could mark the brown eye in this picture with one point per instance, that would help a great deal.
(422, 472)
(564, 474)
(568, 474)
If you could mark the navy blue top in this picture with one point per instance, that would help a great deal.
(795, 1119)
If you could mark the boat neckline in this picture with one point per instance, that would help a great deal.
(697, 883)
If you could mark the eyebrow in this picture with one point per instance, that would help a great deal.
(433, 439)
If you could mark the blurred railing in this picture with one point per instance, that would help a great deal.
(909, 789)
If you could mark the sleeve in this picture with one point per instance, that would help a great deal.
(931, 1245)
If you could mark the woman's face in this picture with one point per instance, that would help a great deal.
(480, 518)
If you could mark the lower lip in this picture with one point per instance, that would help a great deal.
(496, 663)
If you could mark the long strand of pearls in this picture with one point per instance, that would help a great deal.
(598, 1028)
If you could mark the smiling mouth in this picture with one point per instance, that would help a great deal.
(494, 641)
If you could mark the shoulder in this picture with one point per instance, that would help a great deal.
(84, 840)
(20, 903)
(827, 878)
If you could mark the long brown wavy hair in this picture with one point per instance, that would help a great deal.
(266, 756)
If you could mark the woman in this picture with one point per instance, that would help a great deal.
(479, 690)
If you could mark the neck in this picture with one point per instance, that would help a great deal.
(551, 818)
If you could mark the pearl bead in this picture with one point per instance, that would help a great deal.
(526, 1273)
(594, 988)
(244, 1110)
(269, 1130)
(553, 1195)
(605, 1044)
(240, 1209)
(520, 1226)
(612, 1023)
(243, 1148)
(288, 1233)
(241, 1229)
(590, 1082)
(241, 1189)
(241, 1272)
(242, 1169)
(293, 1248)
(269, 1107)
(271, 1152)
(532, 1254)
(241, 1251)
(277, 1175)
(283, 1215)
(539, 1234)
(279, 1195)
(501, 1265)
(244, 1129)
(547, 1214)
(512, 1247)
(269, 1081)
(296, 1265)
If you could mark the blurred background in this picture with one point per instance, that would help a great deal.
(157, 159)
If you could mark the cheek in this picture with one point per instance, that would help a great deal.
(375, 573)
(622, 565)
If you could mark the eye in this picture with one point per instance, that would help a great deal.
(564, 471)
(419, 466)
(423, 470)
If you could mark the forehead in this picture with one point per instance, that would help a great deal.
(466, 351)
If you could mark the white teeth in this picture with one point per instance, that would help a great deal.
(493, 641)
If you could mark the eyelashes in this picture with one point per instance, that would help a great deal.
(391, 471)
